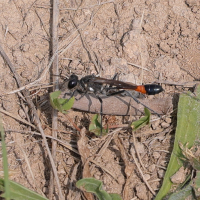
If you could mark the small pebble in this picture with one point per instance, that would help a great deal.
(70, 161)
(168, 120)
(26, 74)
(155, 124)
(179, 176)
(164, 125)
(140, 148)
(164, 47)
(45, 190)
(147, 177)
(156, 155)
(161, 173)
(162, 36)
(152, 167)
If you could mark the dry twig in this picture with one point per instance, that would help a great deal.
(139, 169)
(129, 167)
(17, 118)
(55, 71)
(64, 143)
(85, 154)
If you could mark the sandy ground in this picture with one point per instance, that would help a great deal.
(143, 41)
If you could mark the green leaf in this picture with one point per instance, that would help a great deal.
(143, 121)
(60, 104)
(95, 186)
(187, 132)
(196, 184)
(95, 126)
(5, 163)
(55, 95)
(183, 194)
(115, 196)
(19, 192)
(67, 103)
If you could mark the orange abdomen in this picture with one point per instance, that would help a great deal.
(141, 89)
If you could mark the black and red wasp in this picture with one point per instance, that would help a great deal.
(109, 87)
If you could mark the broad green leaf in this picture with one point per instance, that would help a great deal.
(187, 133)
(143, 121)
(56, 105)
(19, 192)
(67, 103)
(60, 104)
(95, 126)
(95, 186)
(54, 95)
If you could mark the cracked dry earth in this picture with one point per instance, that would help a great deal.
(143, 41)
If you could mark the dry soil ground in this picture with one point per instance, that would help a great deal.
(105, 37)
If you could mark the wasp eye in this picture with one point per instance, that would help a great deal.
(72, 81)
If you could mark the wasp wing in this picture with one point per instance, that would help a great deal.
(117, 84)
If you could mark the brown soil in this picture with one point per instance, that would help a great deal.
(101, 38)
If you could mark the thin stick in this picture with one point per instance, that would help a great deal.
(138, 155)
(137, 164)
(189, 84)
(55, 71)
(17, 118)
(65, 144)
(138, 66)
